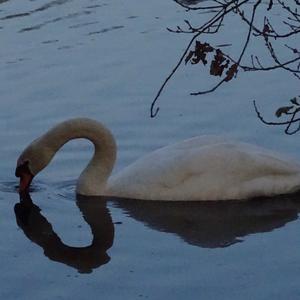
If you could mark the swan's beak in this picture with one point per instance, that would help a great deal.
(26, 177)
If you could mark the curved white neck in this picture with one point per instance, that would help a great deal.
(93, 179)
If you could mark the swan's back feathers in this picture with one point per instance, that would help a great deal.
(207, 168)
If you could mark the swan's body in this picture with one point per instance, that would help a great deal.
(201, 168)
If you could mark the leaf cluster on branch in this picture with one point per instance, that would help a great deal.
(291, 121)
(273, 23)
(218, 64)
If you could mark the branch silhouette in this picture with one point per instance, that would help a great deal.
(265, 31)
(290, 111)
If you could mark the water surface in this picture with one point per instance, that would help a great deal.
(106, 60)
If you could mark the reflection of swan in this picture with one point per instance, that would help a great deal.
(202, 168)
(212, 224)
(39, 230)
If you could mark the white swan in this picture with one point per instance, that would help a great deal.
(201, 168)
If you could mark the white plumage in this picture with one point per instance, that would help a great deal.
(201, 168)
(207, 168)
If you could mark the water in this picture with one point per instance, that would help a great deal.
(106, 60)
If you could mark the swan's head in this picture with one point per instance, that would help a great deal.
(31, 161)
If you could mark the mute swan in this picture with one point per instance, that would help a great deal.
(201, 168)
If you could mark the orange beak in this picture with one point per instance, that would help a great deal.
(26, 177)
(25, 181)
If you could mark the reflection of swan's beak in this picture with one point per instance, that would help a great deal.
(26, 177)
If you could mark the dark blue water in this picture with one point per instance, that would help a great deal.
(106, 60)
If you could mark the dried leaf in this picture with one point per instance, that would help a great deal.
(232, 71)
(217, 67)
(199, 54)
(283, 110)
(266, 29)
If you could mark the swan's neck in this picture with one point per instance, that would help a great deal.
(93, 179)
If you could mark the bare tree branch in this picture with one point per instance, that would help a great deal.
(282, 13)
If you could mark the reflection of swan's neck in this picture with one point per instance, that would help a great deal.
(92, 180)
(37, 228)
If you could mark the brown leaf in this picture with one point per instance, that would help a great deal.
(266, 29)
(283, 110)
(231, 72)
(217, 67)
(199, 54)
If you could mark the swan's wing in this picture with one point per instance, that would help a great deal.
(206, 168)
(194, 143)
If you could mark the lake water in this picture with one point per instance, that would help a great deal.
(106, 60)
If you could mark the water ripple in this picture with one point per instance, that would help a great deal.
(83, 24)
(16, 16)
(69, 16)
(106, 30)
(64, 189)
(39, 9)
(12, 187)
(51, 4)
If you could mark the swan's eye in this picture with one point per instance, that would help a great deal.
(22, 168)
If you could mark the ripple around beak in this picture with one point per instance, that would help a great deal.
(13, 187)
